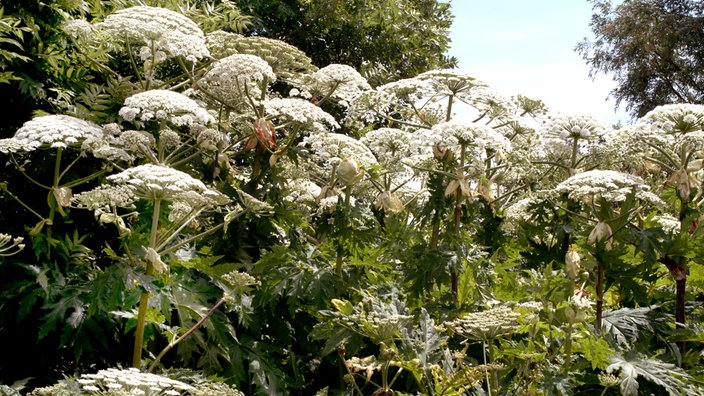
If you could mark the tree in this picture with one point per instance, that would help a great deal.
(654, 48)
(385, 40)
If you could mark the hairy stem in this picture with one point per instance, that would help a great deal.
(144, 297)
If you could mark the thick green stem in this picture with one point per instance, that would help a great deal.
(340, 250)
(568, 331)
(144, 297)
(599, 293)
(492, 377)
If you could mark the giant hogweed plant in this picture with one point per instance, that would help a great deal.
(397, 204)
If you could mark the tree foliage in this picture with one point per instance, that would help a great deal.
(653, 48)
(385, 40)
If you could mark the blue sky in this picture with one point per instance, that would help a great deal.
(527, 47)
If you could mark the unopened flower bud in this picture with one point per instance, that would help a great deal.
(349, 172)
(389, 202)
(601, 232)
(572, 260)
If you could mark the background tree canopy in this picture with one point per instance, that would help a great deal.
(654, 48)
(385, 40)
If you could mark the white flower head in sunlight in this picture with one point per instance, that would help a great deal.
(490, 104)
(300, 112)
(453, 135)
(79, 29)
(676, 118)
(485, 325)
(670, 224)
(164, 105)
(169, 33)
(151, 182)
(57, 131)
(610, 185)
(343, 81)
(450, 81)
(585, 128)
(408, 90)
(131, 381)
(302, 191)
(329, 149)
(105, 197)
(390, 145)
(235, 76)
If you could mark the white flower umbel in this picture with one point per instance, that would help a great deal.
(584, 128)
(450, 82)
(676, 118)
(341, 82)
(454, 134)
(610, 185)
(672, 134)
(299, 112)
(390, 145)
(234, 79)
(165, 31)
(132, 381)
(57, 131)
(105, 197)
(163, 105)
(154, 182)
(329, 149)
(486, 325)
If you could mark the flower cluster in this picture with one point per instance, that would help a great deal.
(485, 325)
(610, 185)
(79, 29)
(367, 364)
(451, 82)
(490, 104)
(584, 128)
(59, 131)
(163, 105)
(169, 33)
(456, 134)
(341, 82)
(676, 118)
(299, 111)
(390, 145)
(105, 197)
(133, 381)
(151, 182)
(329, 149)
(237, 77)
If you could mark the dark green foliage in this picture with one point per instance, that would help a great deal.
(385, 40)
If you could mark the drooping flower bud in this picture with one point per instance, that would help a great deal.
(572, 259)
(152, 257)
(349, 172)
(601, 232)
(389, 202)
